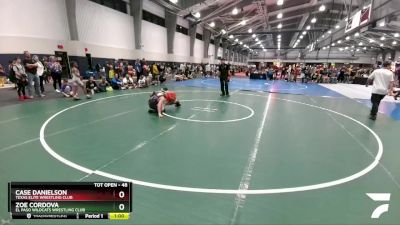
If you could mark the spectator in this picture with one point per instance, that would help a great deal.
(128, 81)
(116, 83)
(138, 68)
(39, 73)
(91, 86)
(77, 82)
(66, 89)
(155, 73)
(2, 76)
(33, 79)
(103, 85)
(21, 79)
(55, 72)
(383, 80)
(142, 82)
(11, 73)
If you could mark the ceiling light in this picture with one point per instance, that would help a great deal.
(352, 46)
(197, 15)
(357, 50)
(346, 48)
(382, 24)
(329, 31)
(223, 31)
(396, 35)
(323, 35)
(328, 46)
(394, 43)
(174, 1)
(264, 50)
(340, 49)
(243, 22)
(323, 48)
(212, 24)
(250, 30)
(236, 40)
(313, 20)
(304, 32)
(339, 41)
(279, 16)
(356, 34)
(257, 39)
(308, 27)
(279, 26)
(383, 38)
(254, 35)
(279, 2)
(381, 45)
(301, 37)
(235, 11)
(337, 26)
(371, 41)
(348, 38)
(259, 42)
(360, 44)
(365, 48)
(322, 8)
(240, 43)
(333, 44)
(231, 36)
(279, 36)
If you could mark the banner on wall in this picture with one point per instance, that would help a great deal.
(361, 17)
(365, 14)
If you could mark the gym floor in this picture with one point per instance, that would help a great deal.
(271, 153)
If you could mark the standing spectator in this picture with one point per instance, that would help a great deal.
(111, 71)
(39, 73)
(77, 81)
(397, 72)
(33, 79)
(56, 72)
(155, 73)
(21, 79)
(223, 77)
(2, 76)
(138, 68)
(383, 80)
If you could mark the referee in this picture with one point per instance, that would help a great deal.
(223, 77)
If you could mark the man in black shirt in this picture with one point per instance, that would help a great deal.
(223, 77)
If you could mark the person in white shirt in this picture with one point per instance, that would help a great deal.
(383, 81)
(39, 73)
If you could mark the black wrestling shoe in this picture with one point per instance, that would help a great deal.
(372, 117)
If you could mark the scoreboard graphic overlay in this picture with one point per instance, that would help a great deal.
(70, 200)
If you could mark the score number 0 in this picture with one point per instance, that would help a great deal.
(121, 206)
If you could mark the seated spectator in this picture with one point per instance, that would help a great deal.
(142, 82)
(103, 85)
(91, 86)
(162, 78)
(116, 83)
(66, 89)
(128, 81)
(180, 77)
